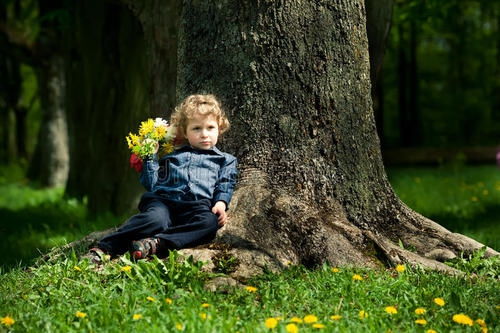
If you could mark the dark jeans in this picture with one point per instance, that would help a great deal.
(179, 224)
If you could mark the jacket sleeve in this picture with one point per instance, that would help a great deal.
(149, 174)
(226, 182)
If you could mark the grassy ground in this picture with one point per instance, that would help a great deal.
(155, 296)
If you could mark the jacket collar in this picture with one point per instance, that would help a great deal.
(213, 150)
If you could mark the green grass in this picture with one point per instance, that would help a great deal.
(464, 200)
(47, 299)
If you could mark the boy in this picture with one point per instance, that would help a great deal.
(189, 190)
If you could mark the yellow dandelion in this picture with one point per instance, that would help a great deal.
(179, 326)
(292, 328)
(463, 319)
(357, 277)
(136, 316)
(205, 305)
(421, 322)
(80, 314)
(7, 321)
(474, 199)
(126, 269)
(309, 319)
(336, 317)
(362, 314)
(400, 268)
(486, 192)
(250, 289)
(431, 331)
(497, 307)
(335, 270)
(159, 132)
(484, 329)
(168, 300)
(296, 320)
(151, 299)
(481, 322)
(203, 315)
(391, 310)
(147, 127)
(319, 326)
(420, 311)
(439, 301)
(271, 323)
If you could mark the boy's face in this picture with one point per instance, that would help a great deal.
(202, 131)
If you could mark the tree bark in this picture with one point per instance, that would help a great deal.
(312, 187)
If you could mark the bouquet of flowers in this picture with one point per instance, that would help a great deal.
(154, 135)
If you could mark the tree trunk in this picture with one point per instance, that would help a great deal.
(294, 79)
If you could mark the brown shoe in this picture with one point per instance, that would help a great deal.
(95, 255)
(144, 248)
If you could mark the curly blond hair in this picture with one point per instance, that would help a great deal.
(198, 105)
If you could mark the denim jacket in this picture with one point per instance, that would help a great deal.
(191, 174)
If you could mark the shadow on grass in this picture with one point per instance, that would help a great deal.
(29, 232)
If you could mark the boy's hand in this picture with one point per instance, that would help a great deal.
(220, 209)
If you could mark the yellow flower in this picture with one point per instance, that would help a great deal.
(80, 314)
(336, 317)
(271, 323)
(484, 329)
(335, 270)
(318, 326)
(136, 316)
(485, 192)
(430, 331)
(78, 269)
(203, 315)
(400, 268)
(159, 132)
(420, 311)
(481, 322)
(146, 127)
(168, 300)
(126, 269)
(292, 328)
(463, 319)
(309, 319)
(151, 299)
(296, 320)
(363, 314)
(250, 289)
(357, 277)
(179, 326)
(439, 301)
(7, 321)
(421, 322)
(133, 140)
(205, 305)
(391, 310)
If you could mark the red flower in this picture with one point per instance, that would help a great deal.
(135, 162)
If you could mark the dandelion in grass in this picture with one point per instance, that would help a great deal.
(7, 321)
(168, 300)
(362, 314)
(431, 331)
(296, 320)
(292, 328)
(80, 314)
(203, 316)
(480, 322)
(309, 319)
(250, 289)
(137, 316)
(336, 317)
(439, 301)
(422, 322)
(357, 277)
(205, 305)
(474, 199)
(271, 323)
(400, 268)
(78, 269)
(179, 326)
(463, 319)
(335, 270)
(420, 311)
(391, 310)
(318, 325)
(151, 299)
(126, 269)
